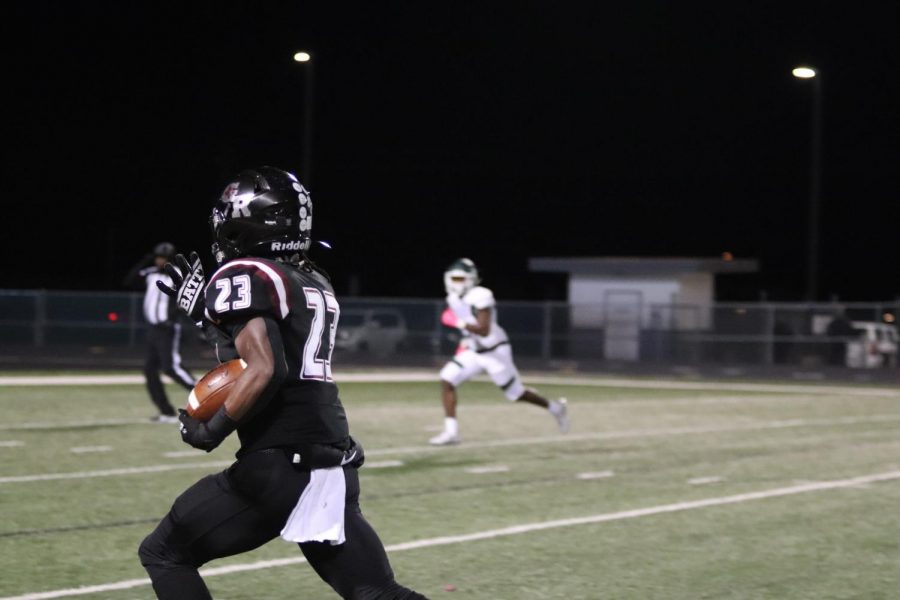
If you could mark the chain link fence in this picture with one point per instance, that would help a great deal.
(407, 331)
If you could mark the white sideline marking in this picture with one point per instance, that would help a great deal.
(384, 464)
(401, 376)
(19, 380)
(596, 475)
(68, 424)
(113, 472)
(498, 533)
(555, 439)
(50, 425)
(487, 469)
(184, 454)
(667, 384)
(89, 449)
(704, 480)
(632, 433)
(11, 444)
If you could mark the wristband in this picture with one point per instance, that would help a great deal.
(220, 424)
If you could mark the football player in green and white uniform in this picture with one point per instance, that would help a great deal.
(484, 348)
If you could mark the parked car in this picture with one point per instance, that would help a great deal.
(875, 345)
(381, 331)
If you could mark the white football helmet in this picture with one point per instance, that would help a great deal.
(460, 277)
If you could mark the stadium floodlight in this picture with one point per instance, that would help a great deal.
(807, 73)
(804, 72)
(305, 59)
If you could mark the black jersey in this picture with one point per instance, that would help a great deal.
(307, 408)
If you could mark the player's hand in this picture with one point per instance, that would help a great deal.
(354, 456)
(460, 308)
(188, 285)
(206, 436)
(449, 318)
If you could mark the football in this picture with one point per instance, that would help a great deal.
(213, 388)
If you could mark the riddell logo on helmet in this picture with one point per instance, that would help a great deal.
(281, 246)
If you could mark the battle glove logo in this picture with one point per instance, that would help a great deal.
(188, 284)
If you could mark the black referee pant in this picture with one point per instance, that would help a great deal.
(246, 506)
(164, 355)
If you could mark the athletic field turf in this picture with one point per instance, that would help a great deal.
(662, 490)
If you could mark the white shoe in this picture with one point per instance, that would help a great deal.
(562, 416)
(164, 419)
(445, 438)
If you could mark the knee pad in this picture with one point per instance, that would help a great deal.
(514, 390)
(156, 552)
(450, 373)
(152, 550)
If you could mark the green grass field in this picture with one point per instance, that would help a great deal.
(83, 477)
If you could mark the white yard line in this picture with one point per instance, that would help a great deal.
(54, 380)
(383, 464)
(487, 469)
(184, 454)
(595, 475)
(705, 480)
(530, 441)
(407, 376)
(635, 433)
(72, 424)
(11, 444)
(113, 472)
(703, 400)
(499, 533)
(90, 449)
(668, 384)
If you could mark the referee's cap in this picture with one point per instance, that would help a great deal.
(164, 249)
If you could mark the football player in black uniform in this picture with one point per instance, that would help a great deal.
(281, 313)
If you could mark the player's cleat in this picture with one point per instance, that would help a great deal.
(561, 413)
(164, 419)
(445, 438)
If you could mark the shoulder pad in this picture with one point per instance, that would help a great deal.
(479, 297)
(247, 287)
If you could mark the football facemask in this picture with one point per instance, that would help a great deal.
(461, 277)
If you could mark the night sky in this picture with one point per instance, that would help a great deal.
(494, 130)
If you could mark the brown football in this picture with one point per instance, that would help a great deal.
(210, 393)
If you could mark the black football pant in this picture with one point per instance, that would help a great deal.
(246, 506)
(164, 354)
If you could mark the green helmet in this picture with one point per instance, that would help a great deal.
(461, 276)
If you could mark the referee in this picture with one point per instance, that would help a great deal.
(163, 330)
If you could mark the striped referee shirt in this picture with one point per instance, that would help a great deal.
(157, 305)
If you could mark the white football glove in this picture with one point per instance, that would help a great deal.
(462, 310)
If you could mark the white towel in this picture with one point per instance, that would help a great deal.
(319, 514)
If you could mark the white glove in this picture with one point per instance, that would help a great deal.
(462, 310)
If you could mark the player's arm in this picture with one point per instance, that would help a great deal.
(482, 324)
(133, 279)
(259, 344)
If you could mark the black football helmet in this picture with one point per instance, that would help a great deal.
(264, 212)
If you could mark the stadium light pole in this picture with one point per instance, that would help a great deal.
(815, 178)
(305, 59)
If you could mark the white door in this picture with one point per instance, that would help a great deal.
(622, 340)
